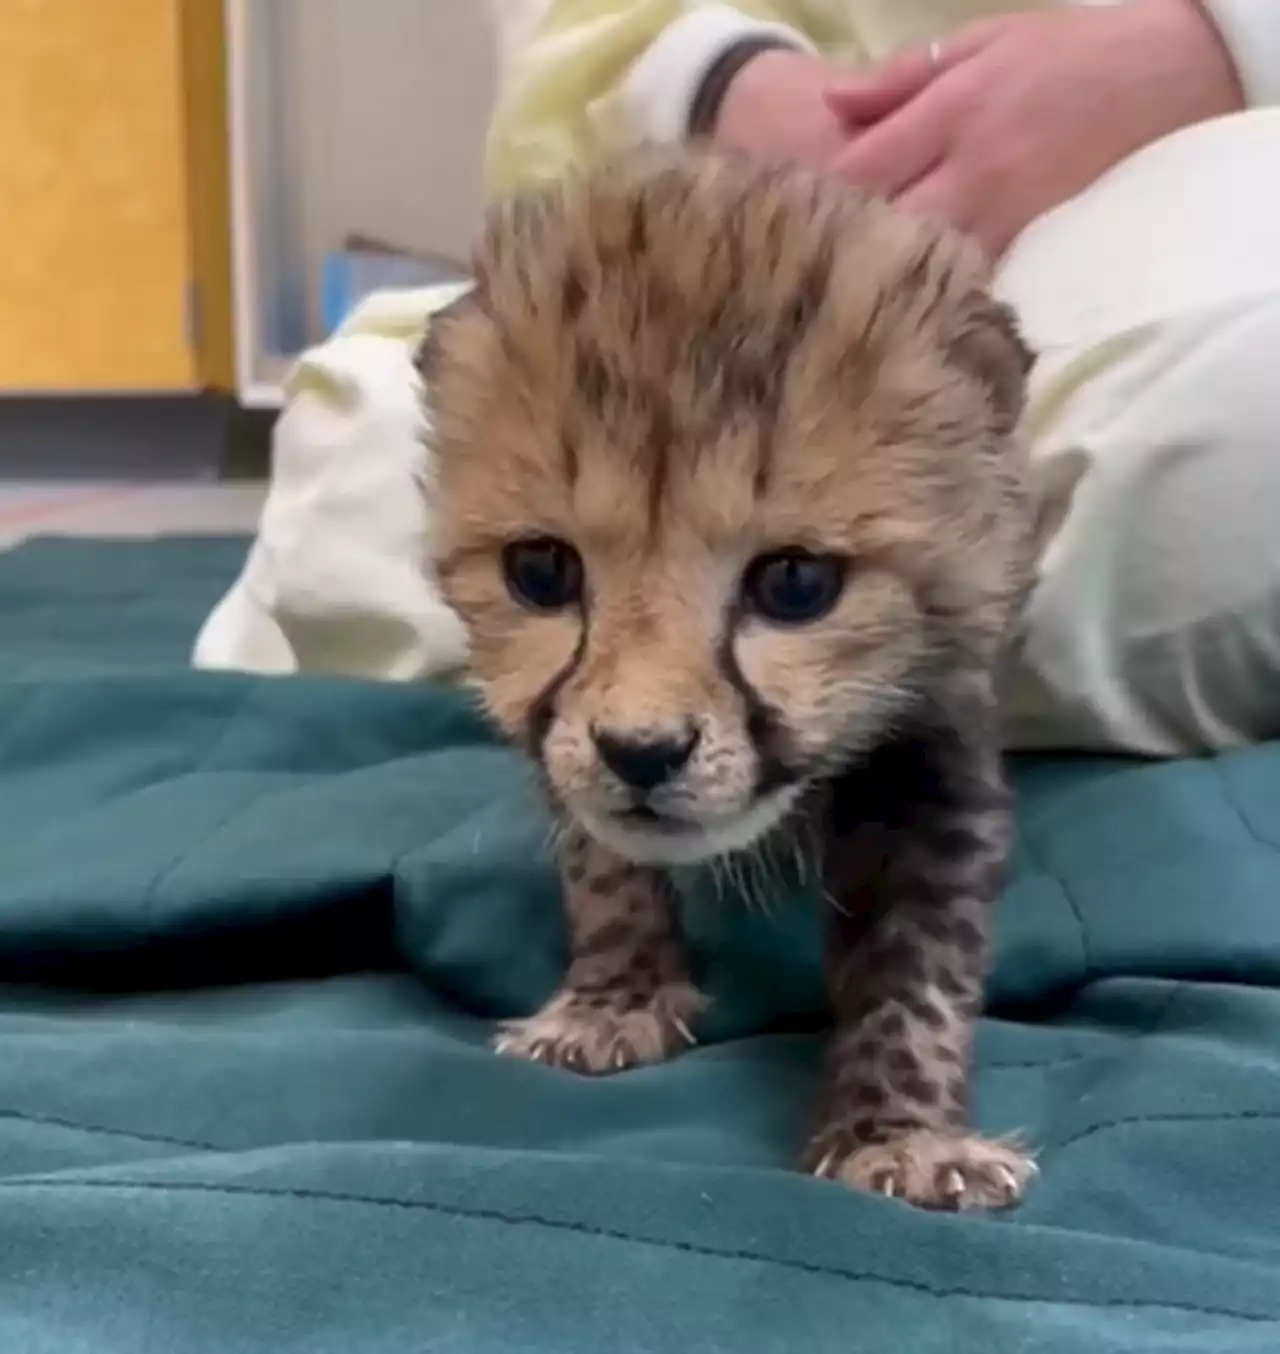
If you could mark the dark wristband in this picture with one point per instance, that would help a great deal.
(715, 84)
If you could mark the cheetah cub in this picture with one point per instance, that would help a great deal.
(729, 499)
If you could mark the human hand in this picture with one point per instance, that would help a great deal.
(777, 105)
(1019, 114)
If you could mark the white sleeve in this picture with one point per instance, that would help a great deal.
(658, 92)
(1251, 30)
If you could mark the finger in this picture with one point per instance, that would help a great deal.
(935, 196)
(899, 150)
(870, 95)
(866, 96)
(942, 196)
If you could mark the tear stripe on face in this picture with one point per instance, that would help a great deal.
(542, 712)
(763, 724)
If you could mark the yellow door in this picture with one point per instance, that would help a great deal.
(95, 230)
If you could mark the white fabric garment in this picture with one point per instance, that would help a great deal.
(1154, 301)
(336, 580)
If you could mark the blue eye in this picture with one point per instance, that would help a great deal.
(793, 587)
(543, 574)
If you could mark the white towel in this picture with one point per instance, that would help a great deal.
(337, 579)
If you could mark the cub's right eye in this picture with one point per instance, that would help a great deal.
(543, 574)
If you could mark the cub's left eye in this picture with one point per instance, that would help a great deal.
(793, 587)
(543, 574)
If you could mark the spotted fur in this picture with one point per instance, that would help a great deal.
(626, 997)
(676, 365)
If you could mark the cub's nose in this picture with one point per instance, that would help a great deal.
(641, 758)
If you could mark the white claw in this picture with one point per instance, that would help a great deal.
(619, 1058)
(1007, 1178)
(825, 1168)
(955, 1184)
(685, 1032)
(889, 1187)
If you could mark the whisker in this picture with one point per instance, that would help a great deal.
(769, 878)
(557, 831)
(739, 879)
(747, 862)
(717, 879)
(829, 898)
(761, 882)
(800, 858)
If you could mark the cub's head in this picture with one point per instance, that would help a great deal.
(725, 485)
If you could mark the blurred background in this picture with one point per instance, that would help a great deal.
(193, 191)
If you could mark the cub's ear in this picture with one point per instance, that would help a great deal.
(988, 344)
(426, 359)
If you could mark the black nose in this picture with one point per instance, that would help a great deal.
(644, 760)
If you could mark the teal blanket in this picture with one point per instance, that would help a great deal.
(253, 936)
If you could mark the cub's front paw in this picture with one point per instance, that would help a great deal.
(599, 1033)
(928, 1169)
